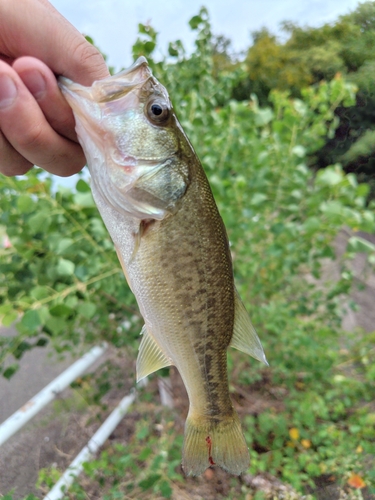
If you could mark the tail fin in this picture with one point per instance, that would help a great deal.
(210, 441)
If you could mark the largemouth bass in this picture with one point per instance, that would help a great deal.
(156, 202)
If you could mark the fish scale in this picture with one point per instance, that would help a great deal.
(156, 202)
(206, 314)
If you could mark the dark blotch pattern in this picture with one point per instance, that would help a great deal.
(191, 276)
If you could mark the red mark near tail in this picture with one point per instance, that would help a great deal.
(209, 445)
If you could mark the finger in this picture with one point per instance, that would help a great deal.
(11, 162)
(6, 59)
(24, 125)
(42, 84)
(61, 47)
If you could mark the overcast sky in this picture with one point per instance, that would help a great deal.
(113, 23)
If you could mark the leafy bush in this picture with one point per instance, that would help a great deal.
(60, 277)
(61, 280)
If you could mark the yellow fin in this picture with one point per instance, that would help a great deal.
(245, 337)
(209, 441)
(150, 357)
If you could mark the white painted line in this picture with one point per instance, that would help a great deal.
(35, 404)
(88, 452)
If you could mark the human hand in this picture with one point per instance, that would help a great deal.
(36, 123)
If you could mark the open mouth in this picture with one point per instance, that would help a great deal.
(111, 88)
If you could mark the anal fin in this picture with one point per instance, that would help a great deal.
(150, 357)
(245, 337)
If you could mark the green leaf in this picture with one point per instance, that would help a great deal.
(299, 151)
(6, 308)
(263, 116)
(143, 432)
(146, 29)
(71, 301)
(56, 325)
(30, 320)
(22, 347)
(63, 245)
(61, 310)
(25, 204)
(41, 342)
(39, 221)
(195, 21)
(150, 481)
(165, 489)
(9, 318)
(172, 50)
(333, 207)
(145, 453)
(43, 314)
(149, 47)
(87, 309)
(39, 292)
(98, 228)
(82, 186)
(330, 176)
(312, 224)
(257, 199)
(11, 370)
(65, 267)
(84, 199)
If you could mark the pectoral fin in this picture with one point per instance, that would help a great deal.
(150, 357)
(245, 337)
(144, 226)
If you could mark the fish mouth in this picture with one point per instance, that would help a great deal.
(107, 90)
(141, 61)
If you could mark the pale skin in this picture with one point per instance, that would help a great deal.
(36, 124)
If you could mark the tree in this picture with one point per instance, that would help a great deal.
(311, 55)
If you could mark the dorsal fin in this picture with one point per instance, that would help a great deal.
(245, 337)
(150, 357)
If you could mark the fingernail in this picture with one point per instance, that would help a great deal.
(8, 91)
(35, 83)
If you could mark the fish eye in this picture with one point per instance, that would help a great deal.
(157, 111)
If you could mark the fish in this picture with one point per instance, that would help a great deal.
(157, 204)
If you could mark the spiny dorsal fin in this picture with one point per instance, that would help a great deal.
(150, 357)
(245, 337)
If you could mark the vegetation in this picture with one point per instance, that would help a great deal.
(61, 279)
(310, 55)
